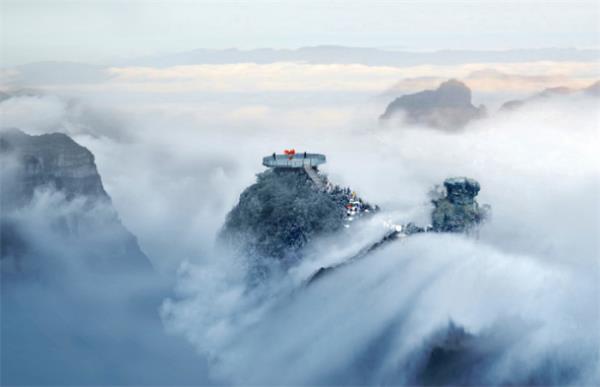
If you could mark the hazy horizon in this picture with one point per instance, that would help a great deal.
(107, 31)
(449, 239)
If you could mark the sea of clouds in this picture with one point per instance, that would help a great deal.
(174, 159)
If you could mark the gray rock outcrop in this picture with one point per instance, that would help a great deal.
(74, 220)
(448, 107)
(279, 214)
(457, 210)
(50, 160)
(592, 90)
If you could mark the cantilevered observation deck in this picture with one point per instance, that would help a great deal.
(298, 160)
(307, 161)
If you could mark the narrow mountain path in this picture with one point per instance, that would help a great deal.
(314, 176)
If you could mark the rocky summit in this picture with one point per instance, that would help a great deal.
(55, 208)
(448, 107)
(279, 214)
(49, 160)
(457, 210)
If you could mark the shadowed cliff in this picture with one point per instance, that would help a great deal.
(53, 175)
(448, 107)
(279, 214)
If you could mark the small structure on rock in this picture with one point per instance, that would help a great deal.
(457, 210)
(290, 204)
(290, 159)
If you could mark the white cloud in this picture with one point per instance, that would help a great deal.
(297, 77)
(185, 162)
(536, 260)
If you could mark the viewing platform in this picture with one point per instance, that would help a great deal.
(294, 160)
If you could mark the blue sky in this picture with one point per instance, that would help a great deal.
(100, 31)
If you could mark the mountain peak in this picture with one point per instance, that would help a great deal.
(447, 107)
(284, 210)
(48, 160)
(48, 173)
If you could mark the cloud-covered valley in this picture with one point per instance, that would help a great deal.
(176, 146)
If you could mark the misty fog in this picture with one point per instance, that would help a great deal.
(174, 161)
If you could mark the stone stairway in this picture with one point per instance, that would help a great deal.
(314, 176)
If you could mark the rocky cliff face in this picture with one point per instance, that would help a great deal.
(50, 160)
(283, 211)
(457, 210)
(448, 107)
(53, 203)
(79, 298)
(279, 214)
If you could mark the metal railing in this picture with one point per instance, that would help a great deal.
(299, 160)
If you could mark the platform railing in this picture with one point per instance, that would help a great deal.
(298, 160)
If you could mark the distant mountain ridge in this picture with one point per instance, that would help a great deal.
(592, 90)
(331, 54)
(448, 107)
(55, 72)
